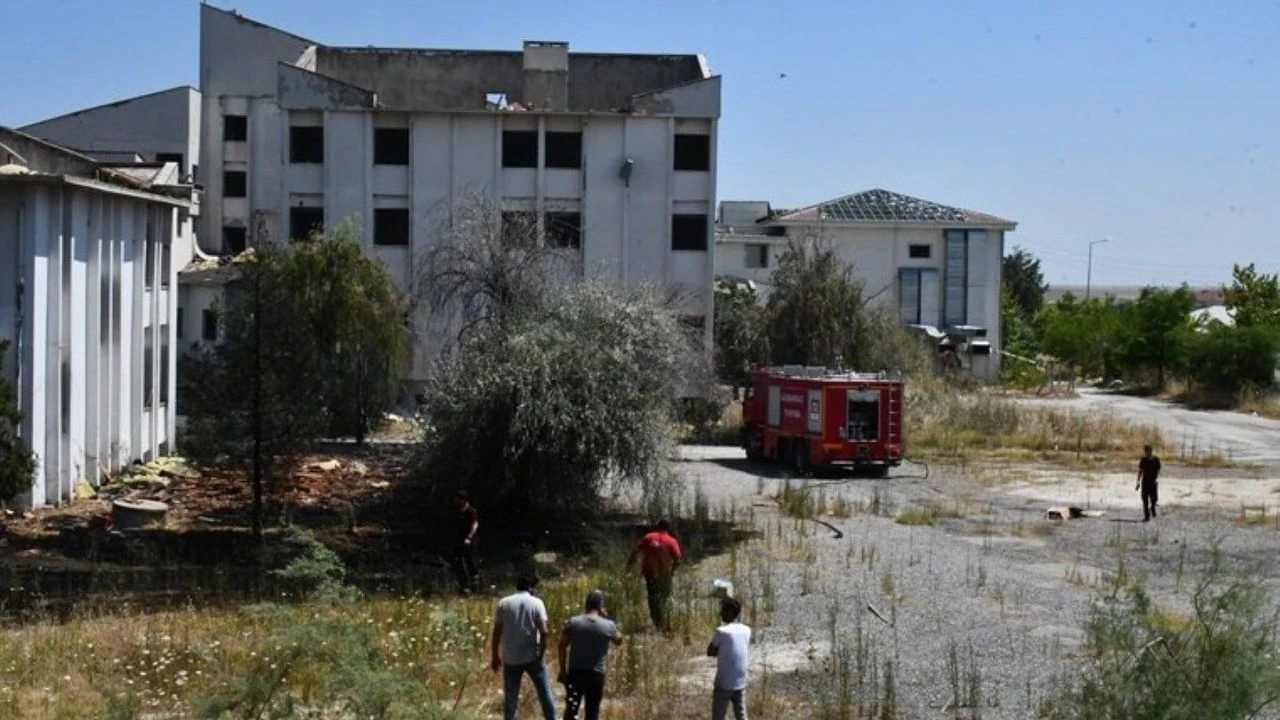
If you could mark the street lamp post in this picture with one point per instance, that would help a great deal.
(1088, 278)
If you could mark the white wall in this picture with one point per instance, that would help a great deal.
(80, 254)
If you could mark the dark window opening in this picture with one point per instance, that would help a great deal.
(564, 150)
(519, 148)
(165, 264)
(775, 230)
(148, 371)
(149, 266)
(235, 128)
(757, 256)
(689, 232)
(864, 415)
(170, 157)
(209, 325)
(65, 396)
(178, 323)
(164, 364)
(235, 184)
(564, 230)
(692, 152)
(920, 252)
(391, 146)
(390, 226)
(306, 145)
(303, 221)
(519, 229)
(233, 240)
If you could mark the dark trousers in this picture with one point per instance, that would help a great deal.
(1150, 491)
(583, 686)
(658, 590)
(464, 567)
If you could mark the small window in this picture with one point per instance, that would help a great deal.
(209, 325)
(564, 230)
(233, 240)
(303, 221)
(306, 144)
(165, 264)
(164, 364)
(170, 158)
(692, 152)
(235, 128)
(564, 150)
(519, 148)
(235, 184)
(391, 226)
(391, 146)
(149, 265)
(689, 232)
(519, 229)
(65, 396)
(757, 256)
(148, 370)
(920, 252)
(178, 323)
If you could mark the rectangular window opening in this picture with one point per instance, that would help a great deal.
(519, 229)
(564, 230)
(235, 128)
(689, 232)
(692, 152)
(170, 157)
(564, 150)
(235, 183)
(519, 148)
(148, 370)
(233, 240)
(956, 277)
(209, 325)
(920, 252)
(391, 146)
(304, 222)
(179, 323)
(306, 144)
(757, 256)
(391, 226)
(164, 364)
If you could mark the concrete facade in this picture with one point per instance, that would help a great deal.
(158, 127)
(898, 248)
(289, 123)
(88, 297)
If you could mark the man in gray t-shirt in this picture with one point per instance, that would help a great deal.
(585, 641)
(517, 646)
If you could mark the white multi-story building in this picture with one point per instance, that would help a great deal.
(88, 258)
(939, 265)
(613, 155)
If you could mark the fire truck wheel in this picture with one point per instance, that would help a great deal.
(799, 458)
(755, 446)
(880, 471)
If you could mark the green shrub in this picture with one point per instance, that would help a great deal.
(1226, 361)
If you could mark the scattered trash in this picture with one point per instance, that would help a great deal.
(876, 612)
(721, 588)
(380, 484)
(324, 465)
(1071, 513)
(358, 467)
(129, 514)
(84, 491)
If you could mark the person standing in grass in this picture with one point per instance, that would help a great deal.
(467, 522)
(1148, 474)
(518, 645)
(661, 557)
(730, 646)
(584, 650)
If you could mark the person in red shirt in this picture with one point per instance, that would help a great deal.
(660, 554)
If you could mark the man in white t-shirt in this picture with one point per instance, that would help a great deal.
(518, 645)
(730, 647)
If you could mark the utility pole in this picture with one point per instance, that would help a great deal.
(1088, 278)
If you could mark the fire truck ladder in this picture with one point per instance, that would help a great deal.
(895, 411)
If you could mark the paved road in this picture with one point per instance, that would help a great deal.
(1247, 439)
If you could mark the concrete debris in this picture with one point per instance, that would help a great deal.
(84, 491)
(380, 484)
(1071, 513)
(721, 588)
(324, 465)
(358, 468)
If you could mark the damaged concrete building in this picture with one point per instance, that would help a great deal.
(615, 152)
(89, 253)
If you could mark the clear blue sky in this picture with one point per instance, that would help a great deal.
(1154, 122)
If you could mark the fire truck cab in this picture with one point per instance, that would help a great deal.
(812, 417)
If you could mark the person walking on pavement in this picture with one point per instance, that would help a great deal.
(518, 645)
(1148, 475)
(730, 646)
(584, 650)
(661, 557)
(467, 522)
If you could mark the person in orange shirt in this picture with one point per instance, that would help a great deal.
(660, 553)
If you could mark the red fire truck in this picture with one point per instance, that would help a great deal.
(814, 417)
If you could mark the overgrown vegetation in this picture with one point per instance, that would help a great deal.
(17, 463)
(313, 341)
(1146, 663)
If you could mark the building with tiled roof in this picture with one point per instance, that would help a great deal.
(938, 265)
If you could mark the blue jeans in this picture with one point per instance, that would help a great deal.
(511, 676)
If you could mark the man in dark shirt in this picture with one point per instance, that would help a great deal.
(1148, 474)
(464, 558)
(584, 649)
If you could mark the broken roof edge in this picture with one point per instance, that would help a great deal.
(98, 185)
(814, 213)
(364, 98)
(233, 13)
